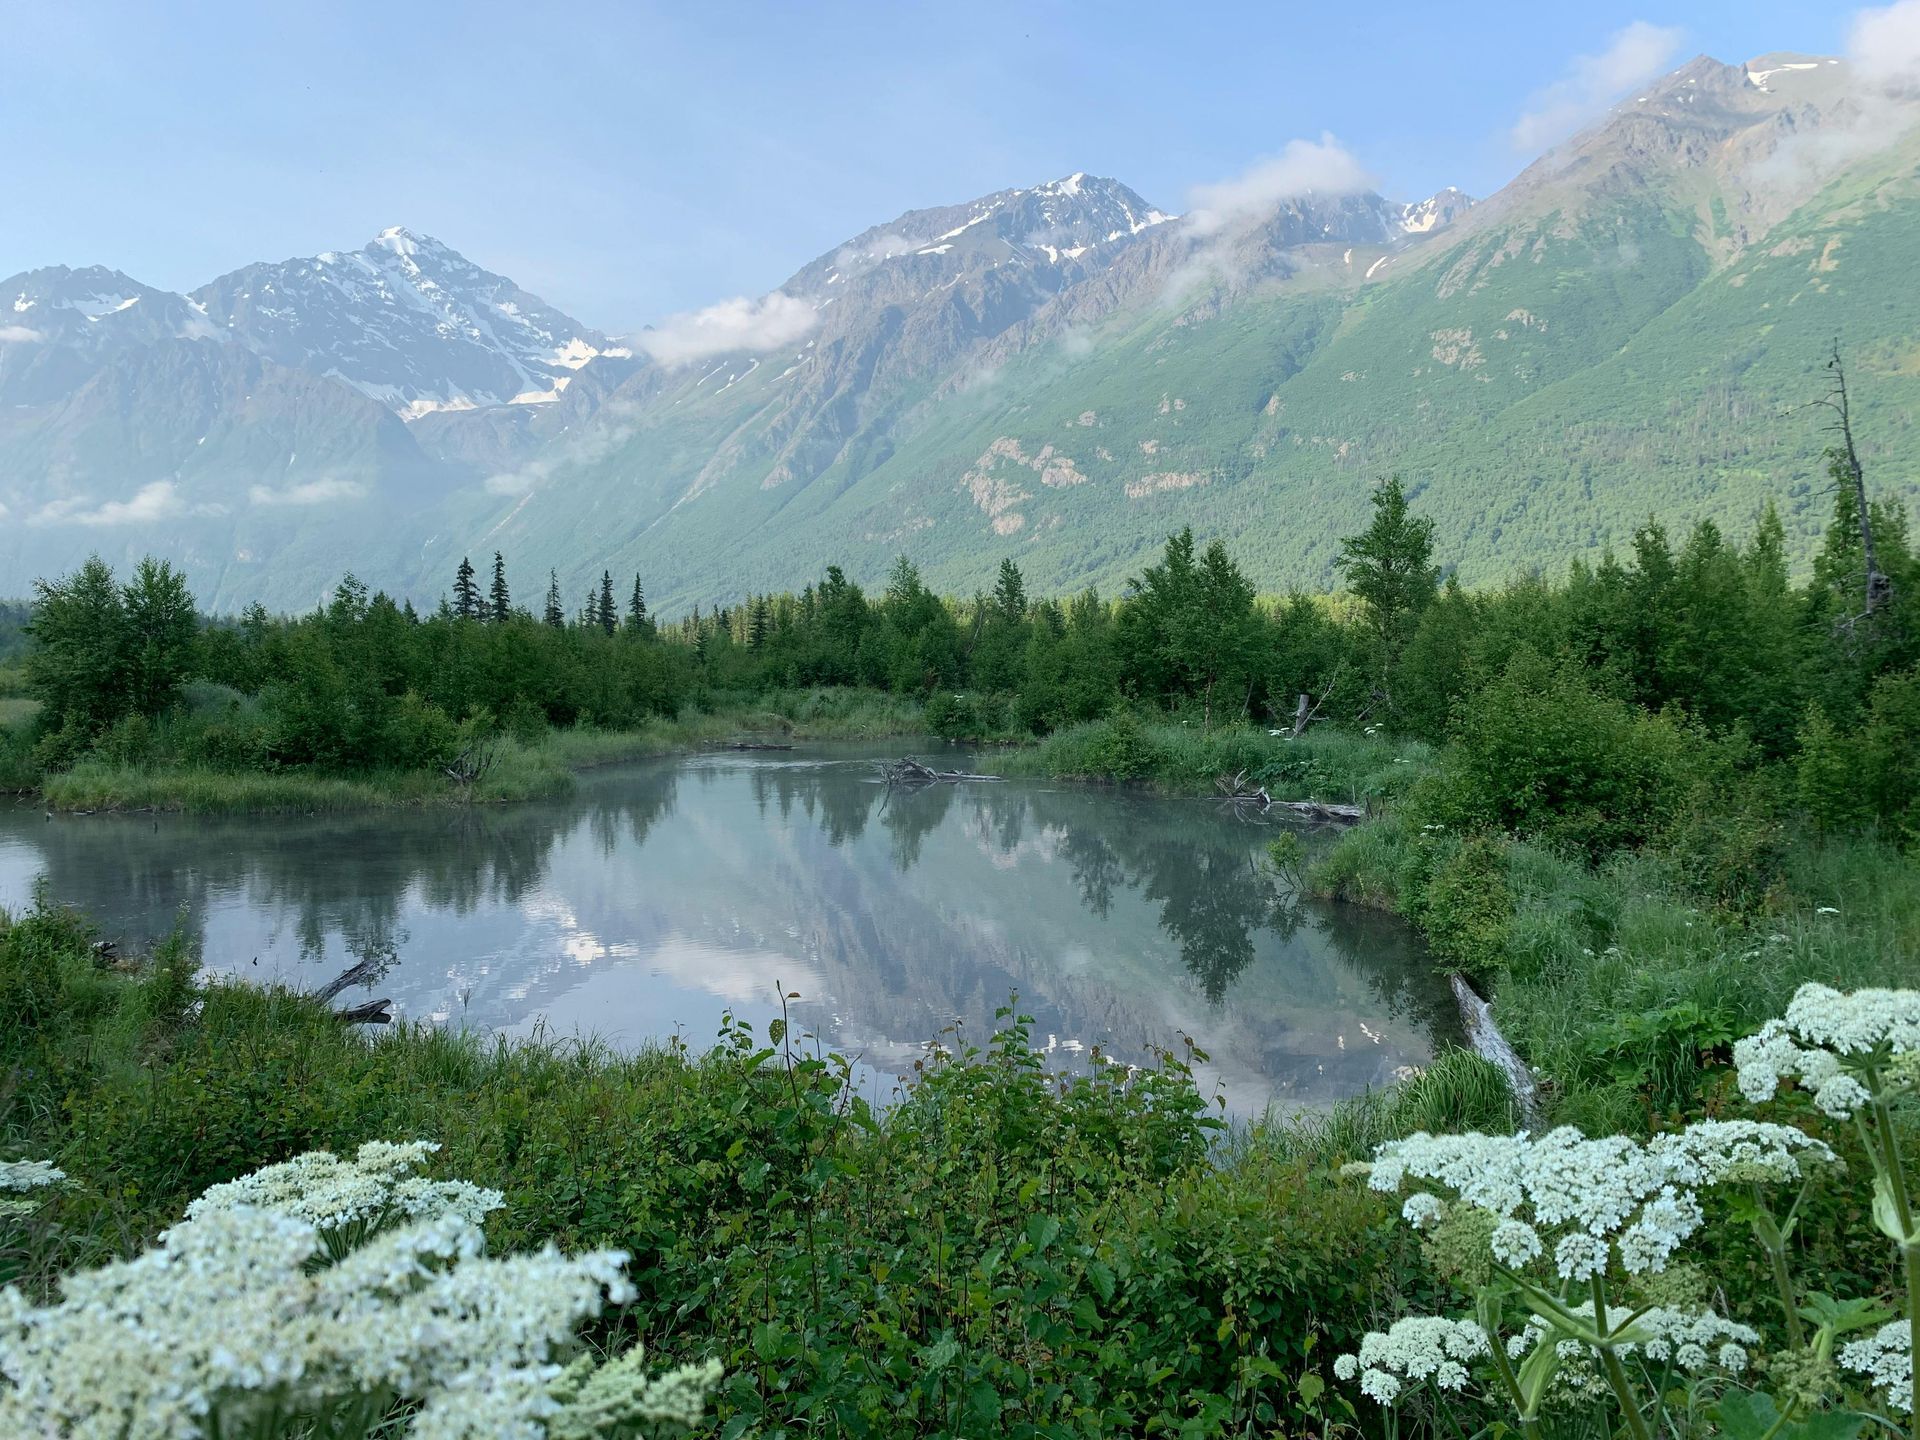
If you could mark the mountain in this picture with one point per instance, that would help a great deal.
(1628, 329)
(406, 321)
(256, 428)
(1060, 373)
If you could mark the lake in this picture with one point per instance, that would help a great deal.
(665, 893)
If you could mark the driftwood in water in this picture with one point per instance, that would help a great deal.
(365, 972)
(909, 771)
(744, 745)
(1487, 1041)
(374, 1012)
(1236, 789)
(1325, 811)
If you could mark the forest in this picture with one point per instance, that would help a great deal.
(1653, 807)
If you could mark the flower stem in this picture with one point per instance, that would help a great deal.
(1616, 1372)
(1903, 1213)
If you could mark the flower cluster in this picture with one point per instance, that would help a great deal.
(1590, 1194)
(1823, 1031)
(1886, 1359)
(23, 1175)
(1416, 1348)
(234, 1317)
(332, 1193)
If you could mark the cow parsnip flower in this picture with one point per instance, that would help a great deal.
(1415, 1349)
(372, 1187)
(1583, 1200)
(235, 1318)
(20, 1176)
(1825, 1035)
(1886, 1359)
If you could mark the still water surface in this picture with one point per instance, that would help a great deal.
(663, 894)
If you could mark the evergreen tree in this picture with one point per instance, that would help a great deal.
(608, 617)
(555, 616)
(757, 622)
(1389, 567)
(466, 594)
(500, 604)
(637, 608)
(1010, 594)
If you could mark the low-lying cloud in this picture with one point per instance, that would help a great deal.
(732, 327)
(1634, 55)
(1304, 167)
(19, 335)
(1883, 45)
(313, 492)
(160, 500)
(611, 429)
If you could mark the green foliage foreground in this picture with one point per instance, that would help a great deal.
(1004, 1251)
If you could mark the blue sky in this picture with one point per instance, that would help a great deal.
(627, 161)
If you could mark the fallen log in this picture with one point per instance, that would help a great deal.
(1236, 789)
(1487, 1041)
(743, 745)
(909, 771)
(1322, 810)
(374, 1012)
(364, 973)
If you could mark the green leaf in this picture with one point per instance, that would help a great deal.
(1750, 1415)
(1042, 1231)
(1311, 1387)
(777, 1031)
(1101, 1278)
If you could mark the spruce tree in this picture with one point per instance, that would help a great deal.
(1010, 594)
(555, 616)
(466, 594)
(500, 603)
(608, 616)
(637, 607)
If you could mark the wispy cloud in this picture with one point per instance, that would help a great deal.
(611, 429)
(1304, 167)
(160, 500)
(18, 335)
(1884, 46)
(1883, 51)
(312, 492)
(732, 327)
(1635, 55)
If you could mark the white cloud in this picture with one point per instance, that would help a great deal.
(1635, 55)
(1304, 167)
(160, 500)
(18, 335)
(732, 327)
(611, 429)
(1883, 45)
(313, 492)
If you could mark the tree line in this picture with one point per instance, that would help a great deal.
(1708, 630)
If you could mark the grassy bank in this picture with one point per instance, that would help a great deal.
(1617, 981)
(1325, 764)
(522, 768)
(997, 1253)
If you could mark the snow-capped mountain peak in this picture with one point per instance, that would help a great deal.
(407, 320)
(1443, 207)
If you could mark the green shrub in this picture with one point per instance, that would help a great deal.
(1467, 908)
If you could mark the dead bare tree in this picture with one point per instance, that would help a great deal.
(471, 765)
(1844, 460)
(1302, 716)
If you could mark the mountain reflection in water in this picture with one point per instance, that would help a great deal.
(662, 894)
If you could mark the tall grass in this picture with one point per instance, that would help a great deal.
(1325, 764)
(522, 769)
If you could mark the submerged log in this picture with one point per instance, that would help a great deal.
(1487, 1041)
(909, 771)
(1325, 811)
(744, 745)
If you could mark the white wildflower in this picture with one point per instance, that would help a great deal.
(370, 1188)
(1415, 1348)
(1732, 1358)
(1515, 1243)
(24, 1175)
(1589, 1195)
(1824, 1035)
(1886, 1359)
(1422, 1210)
(234, 1311)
